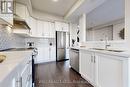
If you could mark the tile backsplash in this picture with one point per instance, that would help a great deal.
(10, 40)
(119, 45)
(41, 42)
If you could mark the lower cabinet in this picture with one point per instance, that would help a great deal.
(21, 76)
(103, 70)
(87, 66)
(110, 71)
(26, 75)
(46, 54)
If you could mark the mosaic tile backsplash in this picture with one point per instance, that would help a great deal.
(10, 40)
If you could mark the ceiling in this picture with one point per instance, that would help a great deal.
(59, 8)
(86, 7)
(110, 11)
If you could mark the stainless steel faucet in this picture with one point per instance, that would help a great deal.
(106, 42)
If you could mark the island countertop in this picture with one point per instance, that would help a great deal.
(12, 62)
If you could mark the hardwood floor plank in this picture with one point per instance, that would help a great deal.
(58, 74)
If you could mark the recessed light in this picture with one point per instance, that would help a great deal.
(55, 0)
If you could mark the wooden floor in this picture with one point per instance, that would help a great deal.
(58, 75)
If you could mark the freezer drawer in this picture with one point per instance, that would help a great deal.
(60, 54)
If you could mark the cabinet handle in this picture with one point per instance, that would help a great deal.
(94, 59)
(20, 82)
(91, 58)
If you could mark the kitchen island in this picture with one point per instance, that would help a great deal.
(16, 69)
(104, 68)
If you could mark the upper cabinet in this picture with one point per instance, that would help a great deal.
(6, 13)
(39, 28)
(60, 26)
(45, 29)
(33, 25)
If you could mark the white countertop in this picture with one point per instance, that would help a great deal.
(13, 60)
(124, 54)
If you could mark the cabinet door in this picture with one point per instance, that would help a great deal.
(43, 55)
(65, 27)
(40, 25)
(109, 71)
(52, 30)
(58, 26)
(46, 29)
(25, 75)
(87, 66)
(33, 31)
(52, 53)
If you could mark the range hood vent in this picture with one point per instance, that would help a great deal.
(19, 23)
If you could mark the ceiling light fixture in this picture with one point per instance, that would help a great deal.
(55, 0)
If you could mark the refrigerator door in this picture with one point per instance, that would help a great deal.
(61, 45)
(61, 39)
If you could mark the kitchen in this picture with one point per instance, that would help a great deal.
(69, 43)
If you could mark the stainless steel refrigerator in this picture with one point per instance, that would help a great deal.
(61, 46)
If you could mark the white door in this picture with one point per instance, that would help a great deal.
(109, 71)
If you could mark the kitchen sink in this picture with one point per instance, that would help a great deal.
(108, 50)
(116, 50)
(2, 58)
(97, 49)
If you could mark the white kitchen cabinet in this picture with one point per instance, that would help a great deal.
(52, 53)
(33, 26)
(104, 70)
(87, 66)
(45, 29)
(46, 54)
(52, 30)
(60, 26)
(25, 71)
(43, 55)
(65, 27)
(110, 71)
(20, 76)
(39, 28)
